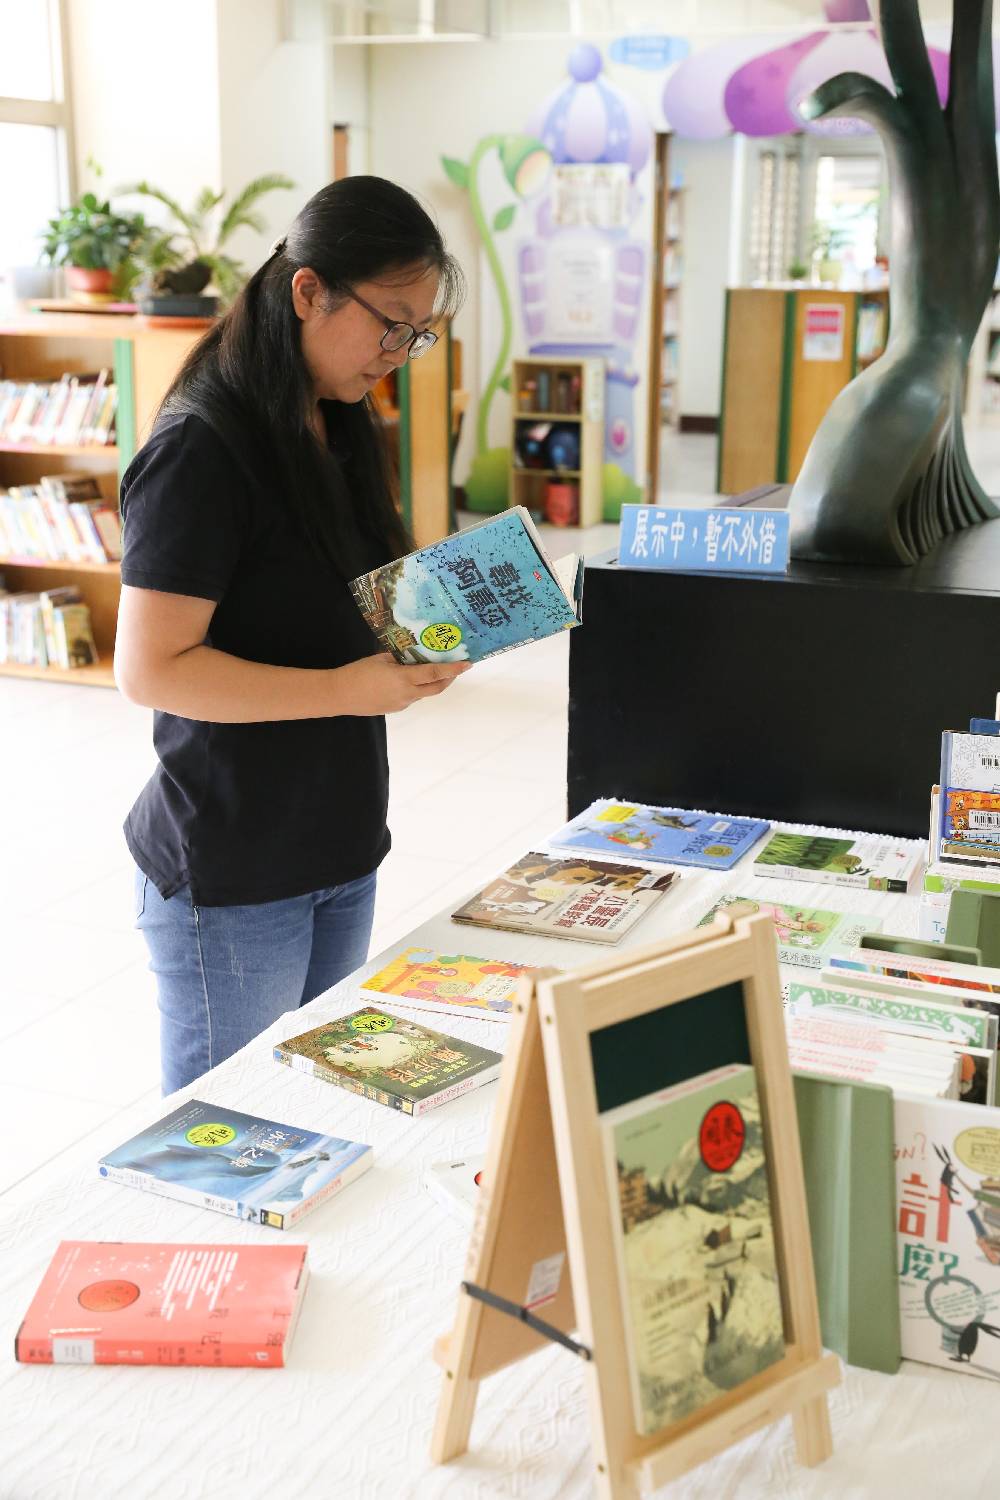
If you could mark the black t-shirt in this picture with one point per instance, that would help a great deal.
(245, 813)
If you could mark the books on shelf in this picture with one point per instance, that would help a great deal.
(867, 861)
(694, 1243)
(74, 411)
(118, 1303)
(484, 590)
(948, 1233)
(237, 1164)
(450, 983)
(62, 518)
(567, 898)
(806, 935)
(872, 1054)
(50, 629)
(455, 1184)
(390, 1060)
(713, 841)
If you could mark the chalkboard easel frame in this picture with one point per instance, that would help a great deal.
(546, 1194)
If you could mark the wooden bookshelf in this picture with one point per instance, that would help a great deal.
(42, 346)
(535, 383)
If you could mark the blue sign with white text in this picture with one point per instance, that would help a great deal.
(686, 539)
(651, 53)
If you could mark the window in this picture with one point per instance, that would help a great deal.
(774, 216)
(34, 125)
(848, 190)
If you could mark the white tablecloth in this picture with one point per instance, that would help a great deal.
(351, 1416)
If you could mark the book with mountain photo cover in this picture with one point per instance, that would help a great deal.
(694, 1243)
(481, 591)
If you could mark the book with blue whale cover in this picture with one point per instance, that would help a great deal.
(238, 1164)
(484, 590)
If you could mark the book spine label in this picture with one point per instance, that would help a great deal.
(147, 1183)
(456, 1090)
(96, 1351)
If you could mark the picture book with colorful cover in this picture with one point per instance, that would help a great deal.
(806, 935)
(237, 1164)
(668, 834)
(869, 862)
(906, 968)
(117, 1303)
(481, 591)
(567, 898)
(969, 806)
(390, 1060)
(948, 1233)
(694, 1243)
(456, 1184)
(450, 983)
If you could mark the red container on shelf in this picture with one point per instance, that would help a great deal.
(562, 504)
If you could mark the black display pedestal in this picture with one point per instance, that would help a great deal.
(817, 697)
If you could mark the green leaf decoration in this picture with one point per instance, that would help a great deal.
(504, 384)
(456, 170)
(505, 217)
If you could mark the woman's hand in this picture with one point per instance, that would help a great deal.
(381, 685)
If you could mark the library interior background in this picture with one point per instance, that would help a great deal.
(729, 348)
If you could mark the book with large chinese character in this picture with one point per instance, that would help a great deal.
(115, 1303)
(450, 983)
(237, 1164)
(713, 841)
(567, 898)
(694, 1243)
(806, 934)
(484, 590)
(868, 861)
(948, 1232)
(390, 1060)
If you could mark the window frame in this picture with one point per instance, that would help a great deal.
(55, 113)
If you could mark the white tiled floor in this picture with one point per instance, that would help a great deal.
(476, 775)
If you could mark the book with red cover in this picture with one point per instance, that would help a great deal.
(107, 1302)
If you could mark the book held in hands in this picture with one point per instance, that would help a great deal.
(390, 1060)
(237, 1164)
(484, 590)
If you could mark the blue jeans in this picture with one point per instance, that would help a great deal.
(225, 973)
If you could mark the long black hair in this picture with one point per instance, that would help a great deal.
(248, 379)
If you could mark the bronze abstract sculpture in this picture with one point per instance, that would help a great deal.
(887, 475)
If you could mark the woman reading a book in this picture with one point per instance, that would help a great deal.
(263, 490)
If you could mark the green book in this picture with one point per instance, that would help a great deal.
(390, 1060)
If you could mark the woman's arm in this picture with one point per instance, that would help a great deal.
(162, 661)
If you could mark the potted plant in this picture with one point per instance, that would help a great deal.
(188, 254)
(97, 247)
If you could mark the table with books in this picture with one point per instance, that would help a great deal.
(351, 1414)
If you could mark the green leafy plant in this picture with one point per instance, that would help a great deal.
(91, 236)
(188, 254)
(798, 271)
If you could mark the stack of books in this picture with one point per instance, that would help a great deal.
(76, 410)
(62, 518)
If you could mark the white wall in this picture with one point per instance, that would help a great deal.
(708, 169)
(349, 72)
(145, 93)
(200, 93)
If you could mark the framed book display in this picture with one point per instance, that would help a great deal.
(642, 1204)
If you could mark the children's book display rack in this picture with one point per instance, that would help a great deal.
(583, 1043)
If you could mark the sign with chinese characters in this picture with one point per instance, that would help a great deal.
(692, 540)
(824, 331)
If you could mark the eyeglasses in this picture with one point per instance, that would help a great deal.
(397, 335)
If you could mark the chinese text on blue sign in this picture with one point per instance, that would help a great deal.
(691, 540)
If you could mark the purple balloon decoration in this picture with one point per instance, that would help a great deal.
(756, 95)
(693, 94)
(592, 120)
(585, 62)
(846, 10)
(856, 52)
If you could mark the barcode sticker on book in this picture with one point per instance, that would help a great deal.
(543, 1283)
(72, 1351)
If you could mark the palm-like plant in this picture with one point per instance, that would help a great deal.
(189, 253)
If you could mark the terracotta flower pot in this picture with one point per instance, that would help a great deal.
(90, 286)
